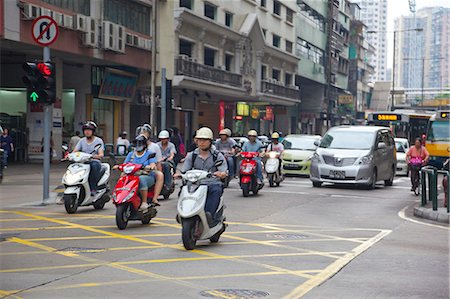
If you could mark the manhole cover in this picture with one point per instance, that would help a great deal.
(284, 236)
(4, 237)
(81, 250)
(234, 293)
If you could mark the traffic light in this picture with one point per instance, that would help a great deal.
(40, 82)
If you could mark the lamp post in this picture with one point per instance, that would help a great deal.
(393, 58)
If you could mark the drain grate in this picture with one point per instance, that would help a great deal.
(81, 250)
(233, 293)
(283, 236)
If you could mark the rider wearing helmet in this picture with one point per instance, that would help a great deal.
(205, 158)
(89, 144)
(140, 155)
(146, 130)
(254, 145)
(168, 152)
(226, 145)
(275, 146)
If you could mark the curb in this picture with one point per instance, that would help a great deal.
(440, 215)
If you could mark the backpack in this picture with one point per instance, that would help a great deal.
(215, 153)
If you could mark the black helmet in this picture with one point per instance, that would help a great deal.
(140, 143)
(89, 125)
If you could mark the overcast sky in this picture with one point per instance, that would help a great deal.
(398, 8)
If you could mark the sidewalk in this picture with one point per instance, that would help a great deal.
(427, 212)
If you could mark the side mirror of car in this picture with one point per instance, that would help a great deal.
(381, 145)
(316, 143)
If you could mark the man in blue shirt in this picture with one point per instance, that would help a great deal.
(140, 155)
(254, 145)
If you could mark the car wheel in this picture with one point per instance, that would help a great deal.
(390, 181)
(373, 181)
(317, 184)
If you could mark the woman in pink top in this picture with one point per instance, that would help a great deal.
(416, 157)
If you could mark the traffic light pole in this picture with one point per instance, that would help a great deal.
(163, 98)
(46, 150)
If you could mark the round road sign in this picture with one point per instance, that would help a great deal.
(44, 30)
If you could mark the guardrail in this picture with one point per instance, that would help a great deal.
(432, 174)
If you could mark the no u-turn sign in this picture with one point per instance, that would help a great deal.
(44, 30)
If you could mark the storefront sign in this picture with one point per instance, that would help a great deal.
(242, 109)
(118, 85)
(345, 99)
(269, 113)
(255, 113)
(222, 115)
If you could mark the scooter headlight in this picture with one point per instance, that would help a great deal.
(192, 177)
(273, 155)
(128, 169)
(74, 178)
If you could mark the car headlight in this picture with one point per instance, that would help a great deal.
(365, 160)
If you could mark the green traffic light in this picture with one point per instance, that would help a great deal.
(34, 96)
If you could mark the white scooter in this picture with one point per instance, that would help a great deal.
(272, 167)
(77, 191)
(191, 210)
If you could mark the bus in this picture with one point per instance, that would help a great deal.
(407, 124)
(438, 138)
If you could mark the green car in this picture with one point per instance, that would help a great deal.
(298, 151)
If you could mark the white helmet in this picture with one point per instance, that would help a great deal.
(252, 133)
(225, 132)
(204, 133)
(164, 134)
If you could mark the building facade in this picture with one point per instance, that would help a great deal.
(102, 57)
(232, 64)
(374, 15)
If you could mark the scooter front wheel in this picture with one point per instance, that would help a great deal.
(70, 203)
(123, 214)
(188, 232)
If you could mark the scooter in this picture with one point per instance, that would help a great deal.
(191, 210)
(126, 197)
(77, 191)
(247, 174)
(64, 150)
(166, 191)
(273, 169)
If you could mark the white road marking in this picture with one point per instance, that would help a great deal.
(402, 215)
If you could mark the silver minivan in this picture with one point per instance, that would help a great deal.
(360, 155)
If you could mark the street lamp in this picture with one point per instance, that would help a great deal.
(393, 59)
(423, 73)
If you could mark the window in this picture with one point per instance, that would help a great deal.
(210, 56)
(263, 72)
(132, 15)
(228, 61)
(80, 6)
(289, 15)
(312, 17)
(276, 41)
(185, 48)
(263, 3)
(276, 74)
(288, 46)
(228, 19)
(186, 3)
(276, 8)
(287, 79)
(210, 11)
(309, 51)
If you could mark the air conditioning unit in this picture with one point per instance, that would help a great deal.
(81, 23)
(108, 37)
(59, 18)
(46, 12)
(141, 42)
(91, 36)
(31, 11)
(67, 22)
(119, 32)
(129, 39)
(148, 44)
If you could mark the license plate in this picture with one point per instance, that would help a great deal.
(291, 165)
(336, 174)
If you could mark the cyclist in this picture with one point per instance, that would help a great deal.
(416, 157)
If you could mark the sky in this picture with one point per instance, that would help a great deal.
(397, 8)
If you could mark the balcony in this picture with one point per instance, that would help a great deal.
(197, 70)
(279, 90)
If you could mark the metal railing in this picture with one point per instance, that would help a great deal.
(205, 72)
(432, 174)
(281, 90)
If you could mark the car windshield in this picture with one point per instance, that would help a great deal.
(356, 140)
(399, 147)
(438, 131)
(299, 143)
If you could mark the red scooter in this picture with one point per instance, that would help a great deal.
(247, 173)
(126, 197)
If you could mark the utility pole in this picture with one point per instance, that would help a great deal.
(163, 98)
(393, 73)
(423, 81)
(153, 68)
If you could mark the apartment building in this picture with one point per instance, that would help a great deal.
(102, 57)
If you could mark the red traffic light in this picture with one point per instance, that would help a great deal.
(45, 68)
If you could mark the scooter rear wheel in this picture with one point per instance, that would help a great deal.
(188, 232)
(245, 189)
(271, 179)
(70, 203)
(123, 214)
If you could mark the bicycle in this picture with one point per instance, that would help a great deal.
(415, 178)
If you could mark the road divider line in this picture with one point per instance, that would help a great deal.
(335, 267)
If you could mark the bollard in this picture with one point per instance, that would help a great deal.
(423, 177)
(433, 190)
(447, 177)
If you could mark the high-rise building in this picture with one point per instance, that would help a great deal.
(374, 15)
(423, 57)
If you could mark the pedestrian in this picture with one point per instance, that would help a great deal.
(122, 144)
(177, 140)
(74, 140)
(7, 145)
